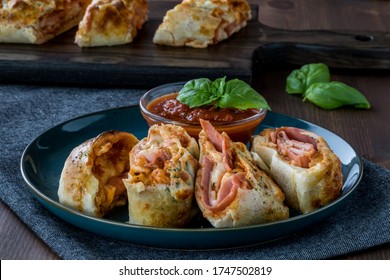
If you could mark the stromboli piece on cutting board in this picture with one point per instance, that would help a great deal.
(200, 23)
(37, 21)
(111, 22)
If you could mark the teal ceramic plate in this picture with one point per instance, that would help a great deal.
(43, 159)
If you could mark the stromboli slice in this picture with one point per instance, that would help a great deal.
(302, 164)
(200, 23)
(37, 21)
(231, 190)
(160, 183)
(91, 179)
(111, 22)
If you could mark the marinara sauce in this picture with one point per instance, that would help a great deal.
(169, 107)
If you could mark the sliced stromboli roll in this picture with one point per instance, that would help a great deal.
(231, 190)
(91, 179)
(302, 164)
(160, 183)
(37, 21)
(200, 23)
(111, 22)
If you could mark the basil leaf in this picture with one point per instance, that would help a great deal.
(240, 95)
(221, 93)
(218, 87)
(196, 93)
(334, 95)
(301, 79)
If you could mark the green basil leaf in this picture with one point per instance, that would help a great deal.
(296, 82)
(334, 95)
(301, 79)
(240, 95)
(196, 93)
(221, 93)
(218, 87)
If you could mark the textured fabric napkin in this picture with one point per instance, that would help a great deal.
(27, 111)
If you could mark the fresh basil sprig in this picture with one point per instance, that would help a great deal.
(313, 82)
(334, 95)
(221, 94)
(301, 79)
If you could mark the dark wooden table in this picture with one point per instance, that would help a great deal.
(367, 131)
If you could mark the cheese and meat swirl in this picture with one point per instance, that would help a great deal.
(91, 179)
(231, 190)
(160, 183)
(302, 164)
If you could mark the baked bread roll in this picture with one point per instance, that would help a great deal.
(231, 190)
(160, 183)
(37, 21)
(91, 179)
(200, 23)
(302, 164)
(111, 22)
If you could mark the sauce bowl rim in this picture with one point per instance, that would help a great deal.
(176, 86)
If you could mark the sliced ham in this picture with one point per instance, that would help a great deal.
(212, 134)
(216, 197)
(295, 145)
(230, 189)
(157, 159)
(221, 143)
(302, 164)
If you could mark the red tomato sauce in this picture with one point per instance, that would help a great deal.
(169, 107)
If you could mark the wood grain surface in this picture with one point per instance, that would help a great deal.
(259, 46)
(359, 127)
(141, 63)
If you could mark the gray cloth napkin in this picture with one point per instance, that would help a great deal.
(27, 111)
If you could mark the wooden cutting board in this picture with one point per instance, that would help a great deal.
(255, 48)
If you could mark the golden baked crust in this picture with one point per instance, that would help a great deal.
(200, 23)
(91, 179)
(302, 164)
(160, 183)
(230, 189)
(111, 22)
(37, 21)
